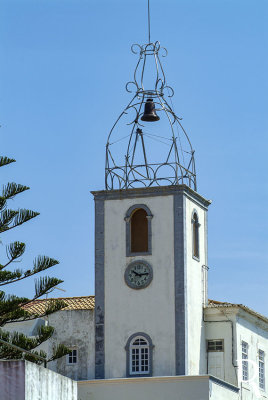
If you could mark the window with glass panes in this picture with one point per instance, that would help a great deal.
(245, 374)
(215, 345)
(72, 357)
(261, 370)
(139, 356)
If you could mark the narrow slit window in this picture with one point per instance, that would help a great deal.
(195, 235)
(139, 231)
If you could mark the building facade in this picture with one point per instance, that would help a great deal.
(168, 310)
(152, 332)
(73, 326)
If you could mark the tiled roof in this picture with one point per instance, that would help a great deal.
(219, 304)
(72, 303)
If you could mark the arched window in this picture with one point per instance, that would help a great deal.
(138, 230)
(195, 232)
(139, 355)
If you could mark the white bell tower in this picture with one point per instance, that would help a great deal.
(150, 242)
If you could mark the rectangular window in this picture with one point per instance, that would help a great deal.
(261, 370)
(72, 357)
(144, 360)
(135, 360)
(245, 374)
(140, 360)
(215, 345)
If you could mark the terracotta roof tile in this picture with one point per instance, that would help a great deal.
(219, 304)
(72, 303)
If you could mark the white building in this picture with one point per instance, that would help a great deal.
(74, 327)
(154, 334)
(238, 334)
(231, 331)
(168, 328)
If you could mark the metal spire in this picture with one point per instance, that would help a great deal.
(149, 22)
(149, 121)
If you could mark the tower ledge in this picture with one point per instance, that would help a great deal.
(119, 194)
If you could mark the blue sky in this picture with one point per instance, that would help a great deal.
(64, 65)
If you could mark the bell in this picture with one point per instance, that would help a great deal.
(149, 114)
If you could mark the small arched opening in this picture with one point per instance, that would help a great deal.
(195, 231)
(138, 230)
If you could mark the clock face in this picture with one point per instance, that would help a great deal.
(138, 274)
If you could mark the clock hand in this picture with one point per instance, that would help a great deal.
(136, 273)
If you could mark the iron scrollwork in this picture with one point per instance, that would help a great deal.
(135, 169)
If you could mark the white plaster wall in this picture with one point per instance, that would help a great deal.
(74, 328)
(24, 327)
(223, 330)
(252, 331)
(149, 310)
(220, 392)
(172, 388)
(23, 380)
(44, 384)
(196, 348)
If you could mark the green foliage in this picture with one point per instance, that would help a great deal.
(10, 218)
(5, 161)
(13, 308)
(59, 352)
(44, 285)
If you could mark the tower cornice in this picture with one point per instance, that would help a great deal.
(119, 194)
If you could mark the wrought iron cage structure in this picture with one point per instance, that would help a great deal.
(174, 162)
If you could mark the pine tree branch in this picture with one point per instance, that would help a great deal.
(44, 284)
(53, 306)
(13, 308)
(23, 342)
(7, 216)
(16, 344)
(10, 304)
(11, 189)
(20, 217)
(59, 352)
(41, 263)
(21, 353)
(14, 251)
(5, 161)
(15, 315)
(28, 343)
(2, 203)
(10, 276)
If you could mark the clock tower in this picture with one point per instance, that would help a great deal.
(150, 239)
